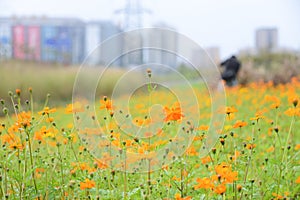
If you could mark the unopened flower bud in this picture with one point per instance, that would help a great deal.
(222, 140)
(214, 150)
(18, 92)
(295, 102)
(239, 188)
(5, 110)
(111, 114)
(149, 72)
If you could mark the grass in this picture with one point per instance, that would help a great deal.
(57, 80)
(139, 149)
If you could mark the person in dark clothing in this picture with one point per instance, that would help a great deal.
(232, 66)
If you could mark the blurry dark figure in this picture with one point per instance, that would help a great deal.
(229, 74)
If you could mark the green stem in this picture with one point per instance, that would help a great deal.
(125, 174)
(31, 102)
(32, 165)
(61, 170)
(13, 104)
(284, 155)
(248, 163)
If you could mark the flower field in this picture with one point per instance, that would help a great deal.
(46, 154)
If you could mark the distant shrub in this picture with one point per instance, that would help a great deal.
(276, 67)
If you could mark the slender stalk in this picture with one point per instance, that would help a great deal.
(13, 104)
(287, 140)
(31, 100)
(149, 170)
(19, 171)
(32, 164)
(248, 163)
(46, 180)
(150, 90)
(284, 155)
(61, 170)
(5, 176)
(181, 182)
(125, 174)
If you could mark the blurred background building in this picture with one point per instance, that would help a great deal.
(206, 57)
(5, 39)
(96, 32)
(72, 41)
(54, 40)
(166, 45)
(266, 39)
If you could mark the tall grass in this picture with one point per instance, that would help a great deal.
(57, 80)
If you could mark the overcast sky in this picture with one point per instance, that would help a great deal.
(229, 24)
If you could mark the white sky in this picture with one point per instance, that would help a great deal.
(229, 24)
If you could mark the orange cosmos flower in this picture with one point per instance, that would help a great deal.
(239, 124)
(199, 138)
(178, 197)
(229, 110)
(138, 121)
(174, 113)
(50, 119)
(206, 159)
(16, 145)
(47, 111)
(236, 155)
(277, 196)
(87, 184)
(250, 146)
(293, 112)
(203, 128)
(74, 108)
(294, 99)
(24, 119)
(175, 178)
(271, 149)
(165, 167)
(204, 183)
(298, 180)
(39, 135)
(8, 138)
(191, 151)
(38, 172)
(225, 172)
(230, 177)
(106, 104)
(275, 101)
(220, 189)
(258, 116)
